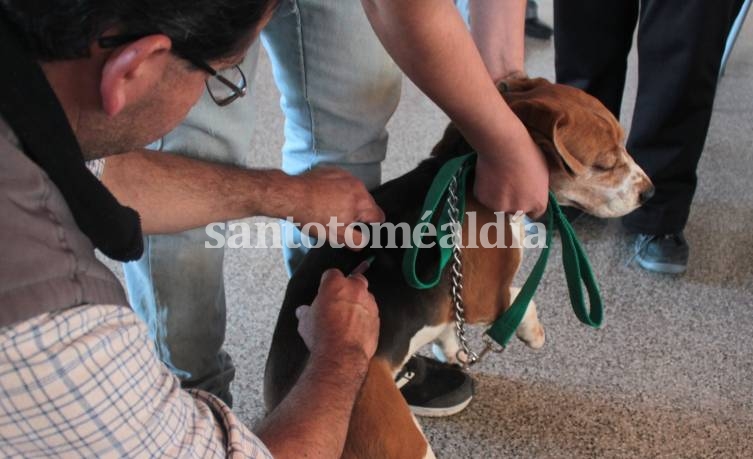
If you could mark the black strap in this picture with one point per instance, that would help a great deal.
(31, 109)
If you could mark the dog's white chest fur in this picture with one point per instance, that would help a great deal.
(444, 334)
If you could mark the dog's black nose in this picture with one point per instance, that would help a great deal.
(648, 194)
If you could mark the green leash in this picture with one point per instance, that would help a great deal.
(456, 167)
(578, 271)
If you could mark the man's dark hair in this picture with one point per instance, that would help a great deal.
(204, 29)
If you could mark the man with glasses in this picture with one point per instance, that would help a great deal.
(339, 88)
(79, 376)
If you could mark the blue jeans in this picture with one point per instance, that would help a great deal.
(337, 97)
(177, 286)
(339, 88)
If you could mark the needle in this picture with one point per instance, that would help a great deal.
(363, 266)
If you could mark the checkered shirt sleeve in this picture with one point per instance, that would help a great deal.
(86, 382)
(96, 167)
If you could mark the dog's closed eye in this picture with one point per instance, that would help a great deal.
(600, 168)
(605, 162)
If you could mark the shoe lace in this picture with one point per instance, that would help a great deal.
(643, 241)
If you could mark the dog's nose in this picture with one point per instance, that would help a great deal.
(648, 194)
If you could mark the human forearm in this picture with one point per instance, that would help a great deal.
(498, 28)
(427, 39)
(315, 415)
(174, 193)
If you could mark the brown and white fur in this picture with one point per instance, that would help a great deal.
(589, 168)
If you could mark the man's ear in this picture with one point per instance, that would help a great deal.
(132, 71)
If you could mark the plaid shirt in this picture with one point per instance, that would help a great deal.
(86, 382)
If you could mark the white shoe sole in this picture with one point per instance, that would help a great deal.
(664, 268)
(439, 412)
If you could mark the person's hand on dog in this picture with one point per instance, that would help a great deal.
(514, 182)
(327, 192)
(342, 321)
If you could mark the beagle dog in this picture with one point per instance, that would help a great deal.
(589, 169)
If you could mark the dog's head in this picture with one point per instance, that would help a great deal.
(589, 166)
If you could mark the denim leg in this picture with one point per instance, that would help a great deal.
(339, 88)
(177, 286)
(178, 290)
(462, 6)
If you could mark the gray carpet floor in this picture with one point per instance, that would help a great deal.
(671, 372)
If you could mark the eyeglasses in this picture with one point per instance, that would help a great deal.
(224, 86)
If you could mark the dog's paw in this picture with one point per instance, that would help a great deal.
(530, 330)
(534, 336)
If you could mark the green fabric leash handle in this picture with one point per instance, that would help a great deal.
(578, 271)
(434, 197)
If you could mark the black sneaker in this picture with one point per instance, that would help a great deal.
(664, 253)
(534, 27)
(433, 388)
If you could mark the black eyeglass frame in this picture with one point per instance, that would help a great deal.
(113, 41)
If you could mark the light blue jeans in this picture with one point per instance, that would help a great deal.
(177, 286)
(339, 88)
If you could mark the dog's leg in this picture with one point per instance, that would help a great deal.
(530, 330)
(382, 426)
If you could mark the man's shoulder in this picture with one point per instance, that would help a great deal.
(47, 262)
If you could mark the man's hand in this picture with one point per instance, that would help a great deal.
(515, 182)
(342, 321)
(327, 192)
(341, 329)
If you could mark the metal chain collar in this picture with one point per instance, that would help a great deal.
(465, 355)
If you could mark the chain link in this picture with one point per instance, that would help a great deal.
(464, 355)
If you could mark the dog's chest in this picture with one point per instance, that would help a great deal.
(427, 334)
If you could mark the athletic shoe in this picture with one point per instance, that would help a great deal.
(534, 27)
(664, 253)
(433, 388)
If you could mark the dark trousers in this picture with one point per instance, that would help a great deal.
(680, 46)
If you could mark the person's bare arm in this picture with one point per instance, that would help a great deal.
(173, 193)
(430, 42)
(498, 29)
(340, 329)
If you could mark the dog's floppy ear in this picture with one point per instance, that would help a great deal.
(548, 127)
